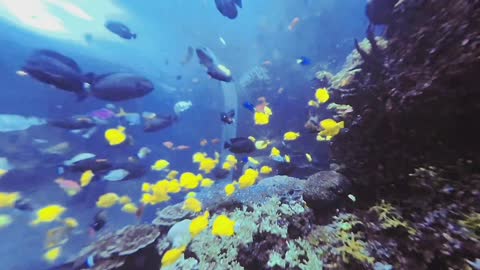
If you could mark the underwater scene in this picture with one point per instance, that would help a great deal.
(239, 134)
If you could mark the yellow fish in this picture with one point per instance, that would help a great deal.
(248, 178)
(8, 199)
(192, 205)
(160, 164)
(207, 182)
(223, 226)
(189, 180)
(199, 224)
(146, 187)
(229, 189)
(70, 222)
(86, 178)
(198, 157)
(330, 127)
(172, 255)
(313, 103)
(287, 158)
(107, 200)
(322, 95)
(49, 214)
(265, 169)
(227, 166)
(262, 144)
(130, 208)
(253, 161)
(172, 174)
(124, 199)
(261, 118)
(52, 254)
(309, 157)
(5, 220)
(3, 172)
(115, 136)
(207, 164)
(274, 152)
(174, 186)
(291, 136)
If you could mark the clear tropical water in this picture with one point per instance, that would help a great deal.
(165, 29)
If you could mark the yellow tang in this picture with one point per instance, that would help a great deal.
(322, 95)
(223, 226)
(115, 136)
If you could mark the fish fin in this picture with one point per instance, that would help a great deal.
(239, 3)
(226, 145)
(89, 77)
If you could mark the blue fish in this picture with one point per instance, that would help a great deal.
(249, 106)
(228, 8)
(304, 61)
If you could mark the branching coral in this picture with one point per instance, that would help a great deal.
(390, 218)
(472, 223)
(300, 254)
(353, 247)
(221, 252)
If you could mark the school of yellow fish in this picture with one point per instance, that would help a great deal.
(175, 182)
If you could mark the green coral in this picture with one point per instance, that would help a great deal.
(339, 239)
(472, 223)
(352, 247)
(221, 252)
(389, 217)
(300, 254)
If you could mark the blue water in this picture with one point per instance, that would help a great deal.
(165, 29)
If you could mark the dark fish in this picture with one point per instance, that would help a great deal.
(178, 77)
(227, 117)
(99, 221)
(158, 123)
(134, 168)
(214, 69)
(380, 12)
(23, 204)
(189, 56)
(299, 166)
(120, 30)
(220, 173)
(96, 165)
(249, 106)
(120, 86)
(228, 8)
(56, 69)
(240, 145)
(73, 123)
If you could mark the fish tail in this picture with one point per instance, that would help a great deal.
(89, 77)
(239, 3)
(134, 36)
(226, 145)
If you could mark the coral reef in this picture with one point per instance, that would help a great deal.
(325, 189)
(110, 251)
(422, 79)
(170, 215)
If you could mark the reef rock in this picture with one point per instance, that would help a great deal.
(325, 188)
